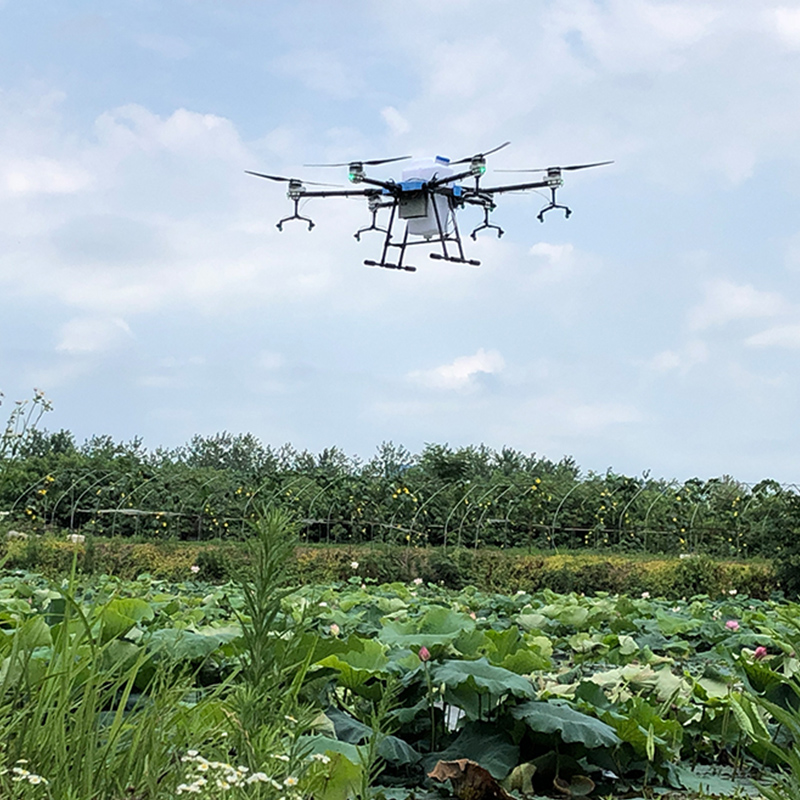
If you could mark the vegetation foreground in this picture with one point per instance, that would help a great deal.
(146, 689)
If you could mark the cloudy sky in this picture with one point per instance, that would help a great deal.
(146, 290)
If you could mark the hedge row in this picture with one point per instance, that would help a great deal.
(487, 569)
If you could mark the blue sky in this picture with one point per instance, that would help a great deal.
(146, 290)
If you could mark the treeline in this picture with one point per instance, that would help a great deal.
(470, 496)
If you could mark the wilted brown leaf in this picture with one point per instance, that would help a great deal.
(469, 779)
(579, 786)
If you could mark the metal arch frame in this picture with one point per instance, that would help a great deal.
(416, 493)
(624, 511)
(185, 503)
(137, 487)
(554, 524)
(66, 491)
(516, 502)
(256, 491)
(479, 524)
(25, 492)
(81, 496)
(452, 512)
(652, 505)
(445, 485)
(322, 491)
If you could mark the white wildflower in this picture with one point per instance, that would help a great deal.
(354, 565)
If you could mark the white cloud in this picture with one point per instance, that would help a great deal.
(779, 336)
(169, 46)
(728, 302)
(92, 335)
(461, 373)
(695, 352)
(395, 121)
(559, 261)
(43, 176)
(786, 23)
(322, 71)
(595, 417)
(270, 361)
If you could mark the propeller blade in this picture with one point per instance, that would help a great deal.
(586, 166)
(563, 169)
(287, 180)
(370, 163)
(481, 155)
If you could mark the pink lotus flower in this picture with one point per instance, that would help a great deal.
(424, 654)
(732, 625)
(760, 653)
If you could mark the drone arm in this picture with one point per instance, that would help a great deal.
(518, 187)
(343, 193)
(450, 178)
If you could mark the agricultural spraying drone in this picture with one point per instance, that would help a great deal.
(427, 197)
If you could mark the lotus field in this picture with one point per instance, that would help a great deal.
(148, 689)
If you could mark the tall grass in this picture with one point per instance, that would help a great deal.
(78, 708)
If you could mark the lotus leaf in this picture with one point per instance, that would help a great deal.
(364, 659)
(393, 749)
(573, 726)
(486, 744)
(436, 626)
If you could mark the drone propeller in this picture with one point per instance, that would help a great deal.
(287, 180)
(480, 156)
(560, 169)
(371, 163)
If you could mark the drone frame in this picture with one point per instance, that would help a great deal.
(398, 197)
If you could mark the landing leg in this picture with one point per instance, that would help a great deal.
(486, 224)
(552, 205)
(296, 215)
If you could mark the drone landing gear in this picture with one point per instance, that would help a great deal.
(406, 267)
(455, 259)
(486, 224)
(552, 205)
(374, 207)
(296, 215)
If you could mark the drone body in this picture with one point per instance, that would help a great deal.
(427, 197)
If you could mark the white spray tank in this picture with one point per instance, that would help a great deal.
(420, 209)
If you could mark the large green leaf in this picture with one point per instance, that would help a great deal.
(639, 723)
(32, 633)
(190, 645)
(482, 677)
(484, 742)
(671, 624)
(392, 748)
(342, 778)
(364, 659)
(476, 686)
(568, 614)
(573, 726)
(437, 626)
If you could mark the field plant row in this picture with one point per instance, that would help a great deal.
(153, 689)
(488, 569)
